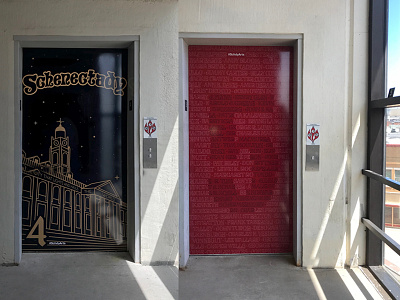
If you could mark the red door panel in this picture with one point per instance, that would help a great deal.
(241, 149)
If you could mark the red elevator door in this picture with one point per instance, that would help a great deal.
(240, 149)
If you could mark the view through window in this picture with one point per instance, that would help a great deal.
(392, 196)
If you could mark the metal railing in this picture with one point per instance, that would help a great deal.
(390, 182)
(389, 284)
(379, 233)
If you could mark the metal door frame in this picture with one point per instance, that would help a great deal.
(130, 42)
(186, 39)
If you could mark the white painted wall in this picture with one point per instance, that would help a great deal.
(156, 23)
(334, 96)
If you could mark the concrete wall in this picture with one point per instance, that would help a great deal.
(156, 23)
(334, 80)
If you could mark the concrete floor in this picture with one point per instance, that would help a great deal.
(114, 276)
(269, 277)
(86, 276)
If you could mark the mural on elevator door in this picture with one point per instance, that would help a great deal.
(73, 162)
(240, 149)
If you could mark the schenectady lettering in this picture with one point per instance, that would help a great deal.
(34, 82)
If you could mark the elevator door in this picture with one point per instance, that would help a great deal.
(240, 149)
(74, 157)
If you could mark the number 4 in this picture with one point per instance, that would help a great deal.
(40, 236)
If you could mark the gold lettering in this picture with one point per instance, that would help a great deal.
(41, 82)
(100, 80)
(120, 84)
(29, 82)
(83, 78)
(57, 79)
(49, 79)
(109, 83)
(91, 77)
(65, 79)
(74, 78)
(33, 82)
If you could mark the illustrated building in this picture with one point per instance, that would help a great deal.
(76, 216)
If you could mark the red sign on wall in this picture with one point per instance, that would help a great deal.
(241, 149)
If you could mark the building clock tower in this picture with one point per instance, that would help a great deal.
(60, 152)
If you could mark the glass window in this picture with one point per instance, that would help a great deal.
(397, 175)
(388, 216)
(393, 66)
(396, 216)
(392, 197)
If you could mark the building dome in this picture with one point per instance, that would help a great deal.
(60, 130)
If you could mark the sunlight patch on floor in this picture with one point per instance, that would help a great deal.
(316, 284)
(149, 282)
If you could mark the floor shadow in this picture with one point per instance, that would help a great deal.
(75, 276)
(332, 285)
(360, 285)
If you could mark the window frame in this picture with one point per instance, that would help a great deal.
(376, 147)
(378, 25)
